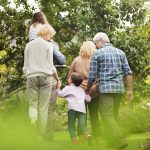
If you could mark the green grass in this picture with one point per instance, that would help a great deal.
(17, 134)
(61, 142)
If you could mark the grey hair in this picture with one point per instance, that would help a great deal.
(101, 36)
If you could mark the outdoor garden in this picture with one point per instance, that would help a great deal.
(126, 22)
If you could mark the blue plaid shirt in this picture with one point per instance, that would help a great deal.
(109, 64)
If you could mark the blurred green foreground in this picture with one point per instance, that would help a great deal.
(17, 134)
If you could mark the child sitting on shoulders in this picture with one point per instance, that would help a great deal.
(76, 98)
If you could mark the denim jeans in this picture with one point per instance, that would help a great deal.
(39, 92)
(81, 117)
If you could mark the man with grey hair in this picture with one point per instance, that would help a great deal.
(109, 64)
(102, 36)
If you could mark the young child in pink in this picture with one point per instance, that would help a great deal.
(76, 98)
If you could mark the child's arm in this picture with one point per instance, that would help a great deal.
(87, 98)
(62, 93)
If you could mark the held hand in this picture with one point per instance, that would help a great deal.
(58, 84)
(129, 95)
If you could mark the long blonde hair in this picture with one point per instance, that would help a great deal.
(87, 49)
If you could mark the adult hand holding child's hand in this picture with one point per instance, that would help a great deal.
(58, 84)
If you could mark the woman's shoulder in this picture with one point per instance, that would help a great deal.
(78, 58)
(81, 60)
(74, 60)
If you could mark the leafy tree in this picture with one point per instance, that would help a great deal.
(135, 43)
(132, 12)
(74, 21)
(13, 38)
(78, 20)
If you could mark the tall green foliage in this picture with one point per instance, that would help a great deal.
(78, 20)
(131, 11)
(135, 43)
(13, 38)
(75, 21)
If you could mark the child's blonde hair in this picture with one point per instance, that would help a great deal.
(87, 49)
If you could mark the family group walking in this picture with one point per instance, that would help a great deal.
(95, 81)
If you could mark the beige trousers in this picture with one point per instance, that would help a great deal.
(39, 93)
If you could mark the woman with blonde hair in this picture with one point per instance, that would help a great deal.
(81, 65)
(40, 70)
(37, 21)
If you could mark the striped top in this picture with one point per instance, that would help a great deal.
(34, 28)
